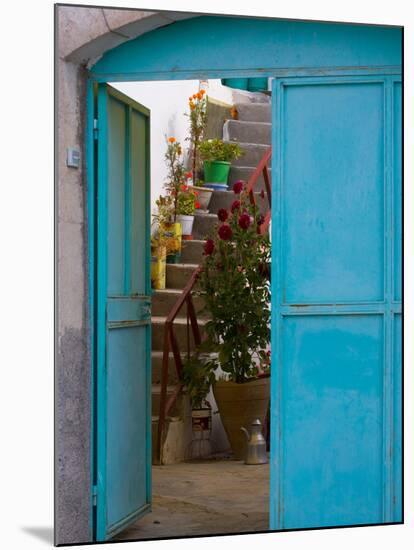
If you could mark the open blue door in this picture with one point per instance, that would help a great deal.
(123, 316)
(336, 302)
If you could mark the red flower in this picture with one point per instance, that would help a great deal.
(222, 214)
(225, 232)
(235, 206)
(183, 187)
(197, 204)
(188, 175)
(244, 221)
(238, 187)
(209, 247)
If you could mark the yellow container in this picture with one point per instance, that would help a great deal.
(171, 234)
(158, 261)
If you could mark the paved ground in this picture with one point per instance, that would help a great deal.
(209, 497)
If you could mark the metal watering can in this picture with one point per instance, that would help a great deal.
(256, 444)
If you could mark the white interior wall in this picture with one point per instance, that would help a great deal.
(168, 101)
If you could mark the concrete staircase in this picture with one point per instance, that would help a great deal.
(252, 131)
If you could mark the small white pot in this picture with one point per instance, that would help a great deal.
(204, 196)
(187, 225)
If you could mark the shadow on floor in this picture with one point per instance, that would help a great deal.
(45, 534)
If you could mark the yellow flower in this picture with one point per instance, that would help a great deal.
(171, 139)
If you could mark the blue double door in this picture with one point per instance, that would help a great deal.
(336, 305)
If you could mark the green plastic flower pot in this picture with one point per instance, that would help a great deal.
(238, 83)
(216, 171)
(257, 85)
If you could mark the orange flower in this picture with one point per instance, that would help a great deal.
(171, 139)
(202, 92)
(194, 96)
(192, 106)
(199, 96)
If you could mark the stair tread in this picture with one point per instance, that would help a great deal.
(249, 122)
(192, 266)
(242, 143)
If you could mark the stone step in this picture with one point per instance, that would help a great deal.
(224, 199)
(254, 112)
(203, 225)
(244, 173)
(247, 132)
(244, 96)
(253, 153)
(180, 331)
(163, 301)
(177, 275)
(192, 251)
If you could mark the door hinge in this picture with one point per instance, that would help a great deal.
(94, 494)
(95, 128)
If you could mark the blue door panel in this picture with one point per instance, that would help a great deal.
(116, 151)
(333, 192)
(397, 500)
(332, 412)
(123, 404)
(336, 310)
(126, 428)
(397, 176)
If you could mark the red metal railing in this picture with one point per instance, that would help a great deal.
(170, 340)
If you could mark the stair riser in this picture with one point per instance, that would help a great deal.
(178, 275)
(253, 153)
(162, 303)
(180, 332)
(192, 252)
(203, 226)
(247, 132)
(224, 199)
(238, 173)
(254, 112)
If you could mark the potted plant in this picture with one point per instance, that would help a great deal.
(217, 155)
(204, 193)
(198, 120)
(198, 377)
(169, 229)
(235, 287)
(187, 204)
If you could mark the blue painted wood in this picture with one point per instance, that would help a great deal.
(237, 47)
(123, 319)
(336, 376)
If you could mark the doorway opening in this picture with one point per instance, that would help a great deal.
(200, 482)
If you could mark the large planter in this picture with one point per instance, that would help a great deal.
(239, 405)
(204, 196)
(216, 171)
(187, 225)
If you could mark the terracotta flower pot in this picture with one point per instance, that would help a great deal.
(239, 405)
(204, 196)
